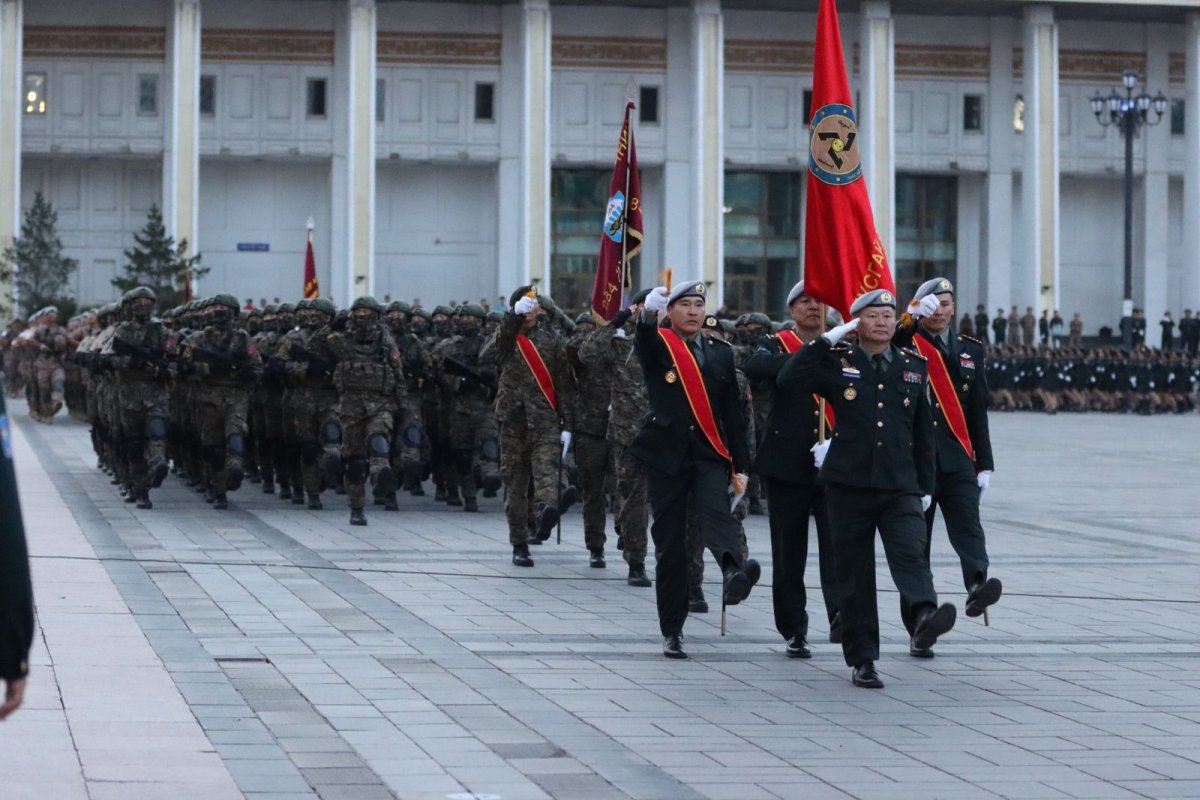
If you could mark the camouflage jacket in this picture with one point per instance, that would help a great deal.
(516, 386)
(619, 367)
(592, 383)
(367, 364)
(220, 359)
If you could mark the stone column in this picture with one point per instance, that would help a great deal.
(181, 147)
(352, 176)
(1150, 275)
(996, 284)
(1037, 285)
(876, 119)
(708, 151)
(524, 236)
(12, 85)
(1191, 175)
(680, 242)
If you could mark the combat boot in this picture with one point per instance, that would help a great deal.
(637, 575)
(220, 502)
(471, 504)
(357, 517)
(268, 486)
(285, 491)
(143, 501)
(696, 602)
(158, 472)
(314, 502)
(521, 557)
(392, 504)
(596, 559)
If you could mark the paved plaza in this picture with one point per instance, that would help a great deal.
(271, 652)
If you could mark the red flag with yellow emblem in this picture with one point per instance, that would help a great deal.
(621, 238)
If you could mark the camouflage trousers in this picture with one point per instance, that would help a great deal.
(311, 437)
(470, 438)
(46, 391)
(529, 455)
(410, 443)
(631, 496)
(221, 422)
(142, 424)
(14, 378)
(695, 540)
(592, 459)
(366, 421)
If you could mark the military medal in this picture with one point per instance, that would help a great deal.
(671, 377)
(907, 402)
(850, 393)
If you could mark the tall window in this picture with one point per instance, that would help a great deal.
(35, 93)
(578, 198)
(926, 231)
(762, 240)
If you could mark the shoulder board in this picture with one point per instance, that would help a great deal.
(718, 340)
(908, 351)
(962, 337)
(840, 348)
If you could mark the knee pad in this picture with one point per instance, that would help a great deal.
(56, 387)
(489, 450)
(331, 432)
(235, 444)
(356, 469)
(156, 427)
(377, 444)
(414, 436)
(310, 453)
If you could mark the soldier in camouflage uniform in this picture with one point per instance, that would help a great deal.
(226, 363)
(756, 326)
(49, 347)
(13, 384)
(532, 427)
(608, 353)
(137, 353)
(589, 437)
(370, 383)
(256, 329)
(470, 427)
(303, 359)
(410, 444)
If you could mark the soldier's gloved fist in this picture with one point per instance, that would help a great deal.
(621, 318)
(656, 301)
(835, 335)
(620, 334)
(984, 479)
(524, 306)
(926, 502)
(565, 438)
(819, 450)
(927, 306)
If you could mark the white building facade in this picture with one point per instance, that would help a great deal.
(457, 150)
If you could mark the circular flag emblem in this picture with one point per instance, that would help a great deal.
(833, 147)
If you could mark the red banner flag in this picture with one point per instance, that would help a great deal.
(311, 289)
(843, 256)
(622, 236)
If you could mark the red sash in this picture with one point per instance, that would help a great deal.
(693, 388)
(943, 390)
(538, 367)
(791, 342)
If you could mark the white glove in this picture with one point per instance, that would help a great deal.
(620, 334)
(927, 306)
(737, 488)
(565, 438)
(926, 502)
(656, 301)
(525, 305)
(819, 450)
(984, 479)
(835, 335)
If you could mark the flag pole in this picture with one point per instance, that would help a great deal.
(821, 400)
(624, 237)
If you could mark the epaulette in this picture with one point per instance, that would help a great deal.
(908, 351)
(971, 339)
(840, 348)
(718, 340)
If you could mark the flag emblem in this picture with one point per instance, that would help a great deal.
(833, 155)
(614, 217)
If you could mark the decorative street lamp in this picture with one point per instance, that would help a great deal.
(1127, 114)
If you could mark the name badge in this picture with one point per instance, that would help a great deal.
(851, 373)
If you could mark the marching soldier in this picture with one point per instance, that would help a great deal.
(48, 347)
(589, 438)
(410, 445)
(692, 442)
(790, 476)
(957, 379)
(879, 471)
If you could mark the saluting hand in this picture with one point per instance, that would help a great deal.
(835, 335)
(656, 301)
(927, 306)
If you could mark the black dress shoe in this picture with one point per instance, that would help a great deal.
(521, 557)
(696, 602)
(797, 647)
(753, 571)
(983, 595)
(739, 582)
(866, 677)
(931, 624)
(673, 646)
(835, 628)
(596, 560)
(357, 517)
(637, 576)
(546, 522)
(918, 652)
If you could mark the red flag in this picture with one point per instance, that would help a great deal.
(843, 256)
(621, 238)
(311, 289)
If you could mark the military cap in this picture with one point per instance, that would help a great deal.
(521, 291)
(758, 318)
(640, 297)
(688, 289)
(286, 308)
(399, 305)
(447, 310)
(366, 301)
(796, 291)
(712, 323)
(324, 305)
(934, 286)
(471, 310)
(879, 297)
(227, 300)
(138, 293)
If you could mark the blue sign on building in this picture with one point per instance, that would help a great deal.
(253, 247)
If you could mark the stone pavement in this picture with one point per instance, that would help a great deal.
(275, 653)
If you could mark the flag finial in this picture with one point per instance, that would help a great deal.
(311, 223)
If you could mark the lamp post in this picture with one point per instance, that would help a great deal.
(1128, 114)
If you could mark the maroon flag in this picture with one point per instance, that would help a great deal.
(311, 288)
(843, 256)
(621, 238)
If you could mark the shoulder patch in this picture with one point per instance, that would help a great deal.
(908, 351)
(962, 337)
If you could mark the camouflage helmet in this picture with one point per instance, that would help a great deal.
(324, 305)
(472, 310)
(758, 318)
(423, 313)
(227, 300)
(399, 305)
(495, 316)
(585, 317)
(255, 312)
(303, 305)
(285, 308)
(138, 293)
(368, 302)
(447, 310)
(728, 327)
(270, 308)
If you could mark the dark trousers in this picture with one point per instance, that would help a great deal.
(854, 514)
(957, 494)
(788, 512)
(705, 485)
